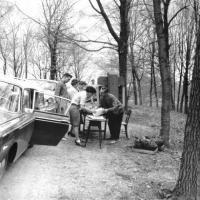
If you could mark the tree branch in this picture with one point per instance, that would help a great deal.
(92, 50)
(116, 3)
(110, 28)
(95, 41)
(29, 17)
(176, 14)
(94, 7)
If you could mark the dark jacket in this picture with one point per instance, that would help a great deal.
(111, 103)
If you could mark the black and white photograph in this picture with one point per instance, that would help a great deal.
(99, 99)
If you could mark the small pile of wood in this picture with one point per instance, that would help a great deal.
(149, 143)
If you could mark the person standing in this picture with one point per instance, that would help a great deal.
(73, 89)
(113, 110)
(78, 105)
(61, 90)
(82, 85)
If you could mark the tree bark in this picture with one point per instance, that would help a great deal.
(163, 49)
(180, 76)
(53, 64)
(123, 42)
(133, 69)
(186, 187)
(139, 91)
(135, 89)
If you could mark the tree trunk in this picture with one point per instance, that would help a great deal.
(26, 65)
(198, 177)
(121, 39)
(123, 43)
(151, 79)
(53, 64)
(5, 67)
(133, 74)
(135, 89)
(163, 49)
(153, 76)
(185, 89)
(151, 88)
(155, 87)
(139, 91)
(180, 77)
(172, 100)
(174, 81)
(186, 187)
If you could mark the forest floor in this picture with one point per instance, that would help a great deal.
(115, 172)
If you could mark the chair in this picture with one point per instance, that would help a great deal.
(125, 121)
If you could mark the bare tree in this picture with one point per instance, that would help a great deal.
(6, 9)
(54, 28)
(39, 60)
(4, 50)
(162, 30)
(79, 61)
(26, 48)
(16, 51)
(121, 38)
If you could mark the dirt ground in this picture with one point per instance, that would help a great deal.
(115, 172)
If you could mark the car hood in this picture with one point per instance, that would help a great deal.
(6, 116)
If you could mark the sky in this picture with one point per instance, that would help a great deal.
(84, 25)
(30, 7)
(82, 9)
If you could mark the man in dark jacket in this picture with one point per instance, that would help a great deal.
(113, 109)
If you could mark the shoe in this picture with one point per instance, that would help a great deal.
(109, 138)
(113, 141)
(71, 134)
(78, 143)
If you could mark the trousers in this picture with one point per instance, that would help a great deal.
(114, 124)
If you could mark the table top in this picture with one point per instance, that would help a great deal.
(96, 118)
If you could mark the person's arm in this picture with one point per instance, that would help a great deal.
(82, 105)
(115, 104)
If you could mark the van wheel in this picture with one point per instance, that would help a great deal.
(3, 166)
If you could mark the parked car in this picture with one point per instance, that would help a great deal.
(46, 100)
(43, 84)
(24, 122)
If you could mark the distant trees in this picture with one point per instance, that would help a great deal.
(16, 60)
(27, 37)
(55, 28)
(4, 50)
(6, 8)
(79, 61)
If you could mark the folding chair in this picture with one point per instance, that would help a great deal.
(126, 118)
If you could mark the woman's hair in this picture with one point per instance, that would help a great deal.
(74, 82)
(67, 75)
(82, 83)
(90, 89)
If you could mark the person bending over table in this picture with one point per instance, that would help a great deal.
(113, 110)
(78, 104)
